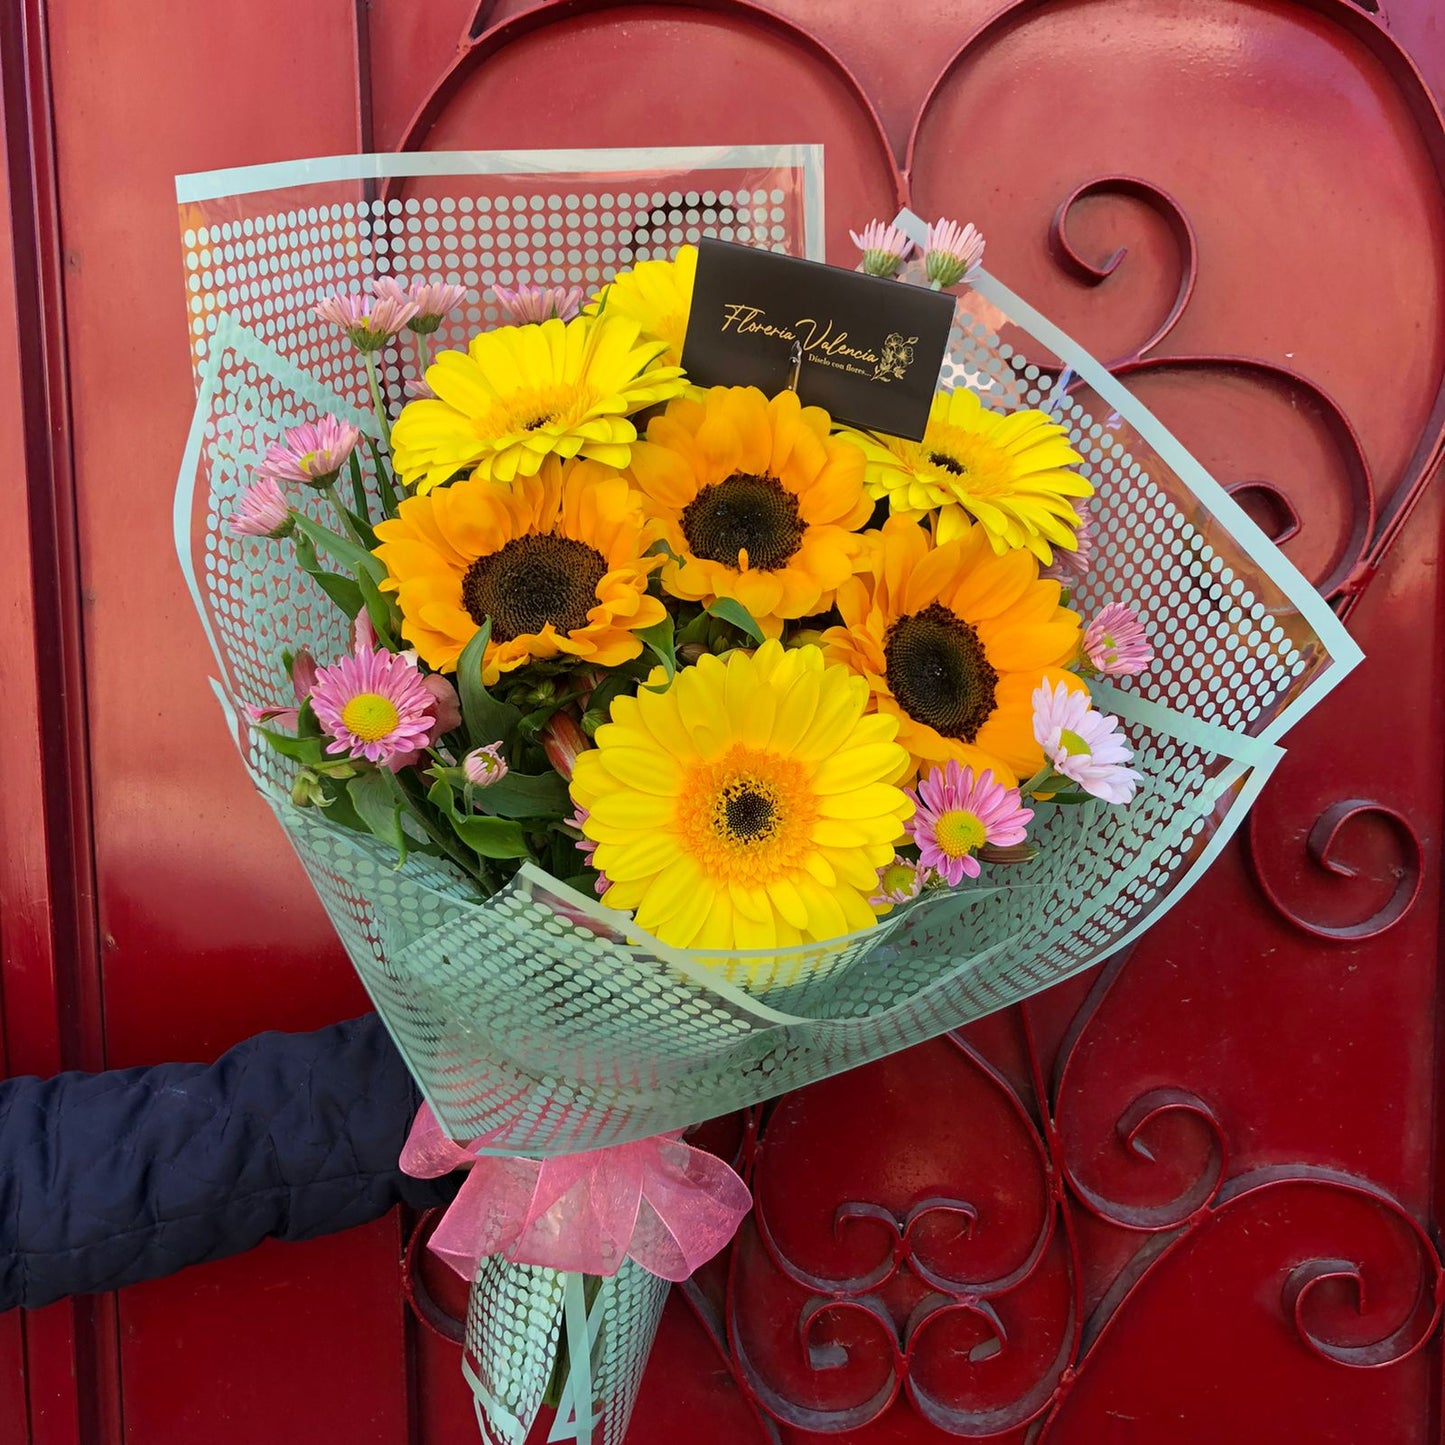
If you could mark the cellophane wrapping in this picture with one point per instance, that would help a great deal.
(538, 1016)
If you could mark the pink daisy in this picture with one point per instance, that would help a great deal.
(958, 812)
(485, 766)
(529, 305)
(263, 511)
(375, 705)
(434, 301)
(1115, 644)
(1071, 567)
(1083, 745)
(951, 251)
(370, 321)
(884, 248)
(899, 881)
(313, 452)
(587, 848)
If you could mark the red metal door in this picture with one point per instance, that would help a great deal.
(1194, 1197)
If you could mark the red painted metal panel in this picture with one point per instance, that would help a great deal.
(209, 930)
(1179, 1199)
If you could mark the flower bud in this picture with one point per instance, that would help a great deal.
(562, 741)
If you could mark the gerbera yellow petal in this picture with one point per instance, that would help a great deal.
(520, 393)
(1013, 473)
(707, 776)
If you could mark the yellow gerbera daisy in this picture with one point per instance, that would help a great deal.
(521, 393)
(657, 295)
(755, 498)
(750, 805)
(1010, 471)
(556, 561)
(953, 639)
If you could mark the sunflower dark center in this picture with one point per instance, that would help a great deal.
(533, 581)
(937, 671)
(744, 513)
(948, 463)
(538, 421)
(748, 814)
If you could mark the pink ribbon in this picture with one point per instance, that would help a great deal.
(658, 1201)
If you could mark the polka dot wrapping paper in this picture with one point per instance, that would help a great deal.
(539, 1017)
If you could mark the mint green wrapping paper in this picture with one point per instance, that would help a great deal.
(539, 1016)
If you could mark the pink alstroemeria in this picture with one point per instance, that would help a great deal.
(530, 305)
(434, 301)
(951, 252)
(562, 741)
(1083, 745)
(263, 511)
(485, 766)
(1115, 644)
(958, 812)
(885, 248)
(370, 321)
(303, 679)
(312, 453)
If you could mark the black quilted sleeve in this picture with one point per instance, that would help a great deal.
(109, 1179)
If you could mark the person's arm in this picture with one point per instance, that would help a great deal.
(109, 1179)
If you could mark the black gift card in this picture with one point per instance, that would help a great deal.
(868, 350)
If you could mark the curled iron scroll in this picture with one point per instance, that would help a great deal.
(1321, 843)
(1162, 204)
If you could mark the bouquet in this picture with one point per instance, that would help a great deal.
(657, 748)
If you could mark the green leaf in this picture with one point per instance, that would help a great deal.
(486, 720)
(385, 620)
(599, 704)
(303, 750)
(489, 837)
(389, 499)
(733, 612)
(525, 795)
(439, 795)
(372, 797)
(694, 630)
(342, 549)
(341, 590)
(492, 837)
(659, 638)
(358, 487)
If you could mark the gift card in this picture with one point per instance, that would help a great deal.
(865, 349)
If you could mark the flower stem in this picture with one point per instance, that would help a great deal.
(334, 497)
(447, 845)
(377, 404)
(423, 355)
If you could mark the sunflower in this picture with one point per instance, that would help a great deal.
(657, 295)
(1010, 472)
(521, 393)
(952, 640)
(555, 561)
(749, 805)
(756, 501)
